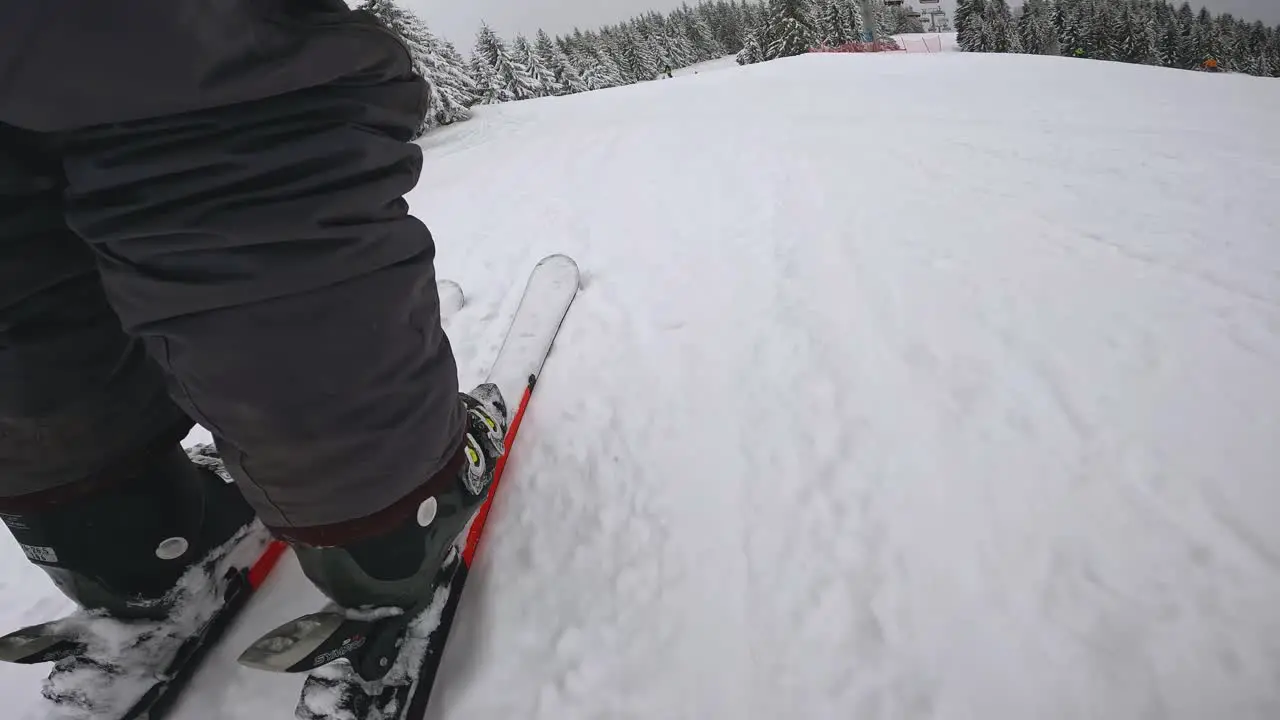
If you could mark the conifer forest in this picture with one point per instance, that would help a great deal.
(652, 45)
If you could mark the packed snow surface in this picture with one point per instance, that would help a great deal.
(899, 387)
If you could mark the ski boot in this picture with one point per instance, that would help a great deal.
(398, 568)
(382, 586)
(122, 549)
(147, 557)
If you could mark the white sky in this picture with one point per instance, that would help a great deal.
(459, 21)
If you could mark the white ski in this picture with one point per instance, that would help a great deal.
(382, 666)
(552, 286)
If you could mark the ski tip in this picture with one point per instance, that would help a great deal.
(559, 259)
(37, 644)
(303, 644)
(452, 299)
(561, 267)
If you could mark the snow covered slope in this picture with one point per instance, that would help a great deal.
(724, 63)
(909, 386)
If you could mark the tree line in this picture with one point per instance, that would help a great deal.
(1149, 32)
(643, 48)
(646, 47)
(793, 27)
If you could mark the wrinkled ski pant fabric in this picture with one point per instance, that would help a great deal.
(253, 259)
(77, 395)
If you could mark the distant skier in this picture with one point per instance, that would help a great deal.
(667, 71)
(202, 218)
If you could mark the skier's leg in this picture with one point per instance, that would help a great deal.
(264, 251)
(92, 479)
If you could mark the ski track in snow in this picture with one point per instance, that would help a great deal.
(911, 386)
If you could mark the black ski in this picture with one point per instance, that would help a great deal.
(240, 587)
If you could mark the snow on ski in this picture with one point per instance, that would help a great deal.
(349, 654)
(155, 660)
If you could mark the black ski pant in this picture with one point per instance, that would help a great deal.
(202, 218)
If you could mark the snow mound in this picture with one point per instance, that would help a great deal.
(900, 386)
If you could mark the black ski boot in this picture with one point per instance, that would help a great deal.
(122, 548)
(391, 575)
(153, 557)
(398, 569)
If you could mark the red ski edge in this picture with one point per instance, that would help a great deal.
(266, 563)
(431, 663)
(477, 527)
(160, 699)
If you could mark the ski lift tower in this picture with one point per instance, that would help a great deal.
(869, 22)
(933, 18)
(911, 12)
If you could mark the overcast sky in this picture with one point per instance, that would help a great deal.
(458, 21)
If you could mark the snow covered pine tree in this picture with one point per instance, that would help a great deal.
(495, 66)
(452, 89)
(791, 29)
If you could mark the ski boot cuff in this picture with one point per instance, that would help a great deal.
(352, 531)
